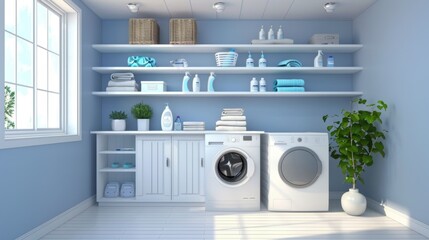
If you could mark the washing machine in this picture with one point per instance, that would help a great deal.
(295, 171)
(232, 172)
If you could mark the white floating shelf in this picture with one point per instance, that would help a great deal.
(119, 170)
(212, 48)
(229, 94)
(118, 152)
(229, 70)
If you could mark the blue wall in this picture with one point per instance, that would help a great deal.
(395, 59)
(38, 183)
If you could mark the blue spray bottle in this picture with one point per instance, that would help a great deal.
(210, 82)
(186, 79)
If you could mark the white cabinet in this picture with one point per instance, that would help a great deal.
(172, 168)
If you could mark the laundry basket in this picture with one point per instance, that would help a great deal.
(226, 59)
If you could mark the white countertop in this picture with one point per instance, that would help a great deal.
(173, 132)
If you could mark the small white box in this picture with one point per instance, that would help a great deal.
(325, 39)
(153, 86)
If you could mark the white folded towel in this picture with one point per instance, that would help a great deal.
(122, 75)
(231, 123)
(129, 83)
(193, 128)
(230, 128)
(232, 112)
(121, 89)
(233, 118)
(193, 123)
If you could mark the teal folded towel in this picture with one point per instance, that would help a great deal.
(139, 61)
(289, 89)
(290, 63)
(289, 83)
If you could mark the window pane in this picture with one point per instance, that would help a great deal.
(24, 63)
(54, 73)
(10, 58)
(54, 32)
(24, 107)
(10, 106)
(54, 110)
(10, 15)
(25, 19)
(42, 25)
(42, 68)
(42, 109)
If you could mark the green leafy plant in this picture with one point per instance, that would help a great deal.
(141, 111)
(9, 107)
(357, 138)
(118, 115)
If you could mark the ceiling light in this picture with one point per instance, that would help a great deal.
(219, 6)
(134, 7)
(329, 7)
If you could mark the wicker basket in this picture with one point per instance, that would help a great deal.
(226, 59)
(143, 31)
(183, 31)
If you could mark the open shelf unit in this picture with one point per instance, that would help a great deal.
(228, 94)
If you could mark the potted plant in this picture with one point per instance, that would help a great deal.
(118, 120)
(142, 112)
(357, 138)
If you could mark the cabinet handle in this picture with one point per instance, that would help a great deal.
(167, 162)
(202, 162)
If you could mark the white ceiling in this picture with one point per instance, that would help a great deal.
(234, 9)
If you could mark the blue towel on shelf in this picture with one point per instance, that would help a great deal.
(289, 83)
(139, 61)
(289, 89)
(290, 63)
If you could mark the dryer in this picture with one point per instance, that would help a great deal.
(232, 172)
(295, 171)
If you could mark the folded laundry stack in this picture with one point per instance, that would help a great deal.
(232, 119)
(289, 85)
(193, 126)
(122, 82)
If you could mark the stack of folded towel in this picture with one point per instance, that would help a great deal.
(232, 119)
(289, 85)
(193, 126)
(122, 82)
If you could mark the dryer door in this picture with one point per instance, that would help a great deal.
(233, 167)
(300, 167)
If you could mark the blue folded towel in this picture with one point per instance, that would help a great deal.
(290, 63)
(139, 61)
(289, 83)
(289, 89)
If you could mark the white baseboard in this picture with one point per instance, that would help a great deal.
(58, 220)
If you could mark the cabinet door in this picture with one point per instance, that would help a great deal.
(154, 156)
(188, 169)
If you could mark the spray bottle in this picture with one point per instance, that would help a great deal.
(318, 60)
(249, 61)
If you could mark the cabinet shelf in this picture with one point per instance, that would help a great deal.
(116, 200)
(119, 170)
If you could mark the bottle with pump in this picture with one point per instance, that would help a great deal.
(185, 81)
(210, 82)
(271, 33)
(196, 84)
(178, 124)
(262, 60)
(249, 61)
(318, 60)
(262, 85)
(167, 119)
(254, 85)
(280, 33)
(262, 33)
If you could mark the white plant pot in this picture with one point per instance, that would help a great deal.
(353, 202)
(143, 124)
(119, 124)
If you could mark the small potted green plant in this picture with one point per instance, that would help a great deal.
(357, 139)
(142, 112)
(118, 120)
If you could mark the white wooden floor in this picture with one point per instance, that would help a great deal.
(195, 223)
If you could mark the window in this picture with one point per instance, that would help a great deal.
(41, 72)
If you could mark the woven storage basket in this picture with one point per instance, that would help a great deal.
(143, 31)
(183, 31)
(226, 59)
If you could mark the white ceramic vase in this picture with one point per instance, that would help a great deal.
(353, 202)
(143, 124)
(118, 124)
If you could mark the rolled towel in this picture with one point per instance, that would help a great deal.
(231, 123)
(140, 61)
(230, 128)
(289, 89)
(233, 118)
(129, 83)
(289, 83)
(128, 76)
(290, 63)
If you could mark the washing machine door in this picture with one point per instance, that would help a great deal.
(300, 167)
(234, 167)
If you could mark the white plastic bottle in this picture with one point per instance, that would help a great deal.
(262, 85)
(167, 119)
(185, 81)
(262, 33)
(318, 60)
(249, 61)
(330, 62)
(262, 60)
(271, 33)
(210, 82)
(254, 85)
(196, 84)
(280, 33)
(178, 124)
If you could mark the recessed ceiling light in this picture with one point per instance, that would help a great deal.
(133, 7)
(329, 7)
(219, 6)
